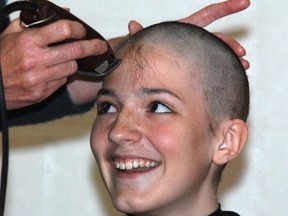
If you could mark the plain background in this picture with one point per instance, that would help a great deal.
(52, 170)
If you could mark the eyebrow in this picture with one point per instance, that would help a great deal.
(106, 92)
(153, 91)
(142, 92)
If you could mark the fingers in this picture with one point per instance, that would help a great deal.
(27, 57)
(56, 32)
(205, 16)
(134, 27)
(245, 63)
(233, 44)
(75, 50)
(216, 11)
(236, 47)
(32, 70)
(208, 15)
(59, 71)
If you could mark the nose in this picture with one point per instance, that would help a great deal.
(125, 129)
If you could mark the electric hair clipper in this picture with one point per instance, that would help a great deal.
(37, 13)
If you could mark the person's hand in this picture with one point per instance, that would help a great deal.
(216, 11)
(208, 15)
(31, 69)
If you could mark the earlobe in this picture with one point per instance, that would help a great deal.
(233, 136)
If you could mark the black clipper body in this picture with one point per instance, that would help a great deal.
(42, 12)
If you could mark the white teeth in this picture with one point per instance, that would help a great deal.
(133, 164)
(142, 163)
(147, 164)
(129, 165)
(122, 165)
(116, 164)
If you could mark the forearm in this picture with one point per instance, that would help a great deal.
(56, 106)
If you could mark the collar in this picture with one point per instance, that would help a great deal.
(219, 212)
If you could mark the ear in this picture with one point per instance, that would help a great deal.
(230, 140)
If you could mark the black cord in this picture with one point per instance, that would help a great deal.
(19, 5)
(5, 148)
(4, 13)
(15, 6)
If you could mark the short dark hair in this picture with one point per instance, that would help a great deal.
(221, 75)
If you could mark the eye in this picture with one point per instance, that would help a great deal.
(158, 107)
(105, 107)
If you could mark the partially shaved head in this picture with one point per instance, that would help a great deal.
(219, 73)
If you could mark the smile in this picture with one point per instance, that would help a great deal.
(130, 164)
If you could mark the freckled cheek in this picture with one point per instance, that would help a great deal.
(99, 136)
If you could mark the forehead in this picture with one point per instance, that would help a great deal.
(152, 65)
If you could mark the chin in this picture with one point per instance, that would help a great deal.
(130, 205)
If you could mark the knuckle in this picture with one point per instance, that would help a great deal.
(37, 94)
(70, 29)
(26, 64)
(25, 61)
(206, 13)
(35, 97)
(76, 49)
(65, 28)
(30, 82)
(73, 66)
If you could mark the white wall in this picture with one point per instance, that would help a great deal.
(52, 170)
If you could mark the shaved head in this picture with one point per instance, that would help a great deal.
(215, 68)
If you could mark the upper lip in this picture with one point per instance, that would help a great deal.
(132, 157)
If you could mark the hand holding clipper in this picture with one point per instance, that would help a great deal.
(37, 13)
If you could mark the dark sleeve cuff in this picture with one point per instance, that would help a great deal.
(56, 106)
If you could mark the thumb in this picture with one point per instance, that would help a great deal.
(134, 27)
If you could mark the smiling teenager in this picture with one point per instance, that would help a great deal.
(170, 118)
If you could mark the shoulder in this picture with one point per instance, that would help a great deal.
(229, 213)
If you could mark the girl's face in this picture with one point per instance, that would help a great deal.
(151, 138)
